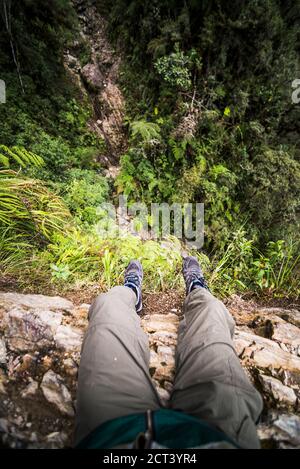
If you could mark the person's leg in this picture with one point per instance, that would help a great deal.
(210, 383)
(114, 377)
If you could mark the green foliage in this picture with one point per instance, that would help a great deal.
(240, 115)
(241, 267)
(72, 256)
(39, 32)
(14, 249)
(273, 178)
(76, 257)
(17, 156)
(29, 212)
(230, 266)
(276, 269)
(28, 207)
(108, 267)
(174, 69)
(84, 193)
(210, 119)
(145, 130)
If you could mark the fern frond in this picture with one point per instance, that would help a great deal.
(20, 156)
(146, 130)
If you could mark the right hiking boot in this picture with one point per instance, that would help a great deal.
(192, 274)
(133, 279)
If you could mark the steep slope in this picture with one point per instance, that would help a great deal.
(97, 74)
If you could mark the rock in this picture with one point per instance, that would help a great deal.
(57, 393)
(284, 347)
(92, 76)
(286, 333)
(18, 421)
(84, 307)
(28, 362)
(165, 355)
(3, 352)
(70, 367)
(153, 326)
(42, 302)
(112, 172)
(163, 373)
(57, 439)
(269, 435)
(279, 431)
(163, 338)
(166, 350)
(168, 386)
(164, 395)
(3, 425)
(72, 62)
(161, 322)
(163, 319)
(68, 338)
(281, 394)
(264, 353)
(25, 364)
(3, 381)
(290, 315)
(80, 314)
(290, 426)
(30, 330)
(154, 360)
(30, 391)
(46, 363)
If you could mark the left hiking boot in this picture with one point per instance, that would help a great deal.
(193, 275)
(133, 279)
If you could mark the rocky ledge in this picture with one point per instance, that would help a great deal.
(40, 341)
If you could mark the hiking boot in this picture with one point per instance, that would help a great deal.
(133, 279)
(192, 274)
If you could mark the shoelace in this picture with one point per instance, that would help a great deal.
(194, 277)
(132, 279)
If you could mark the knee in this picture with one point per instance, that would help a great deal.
(201, 297)
(111, 303)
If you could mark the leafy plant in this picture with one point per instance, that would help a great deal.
(60, 272)
(108, 266)
(230, 267)
(146, 130)
(175, 70)
(84, 193)
(18, 156)
(276, 270)
(28, 207)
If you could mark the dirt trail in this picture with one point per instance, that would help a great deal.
(97, 78)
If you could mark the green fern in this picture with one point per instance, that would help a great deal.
(146, 130)
(20, 156)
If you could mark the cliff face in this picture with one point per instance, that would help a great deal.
(96, 76)
(40, 341)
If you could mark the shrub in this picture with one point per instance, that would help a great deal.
(83, 194)
(175, 70)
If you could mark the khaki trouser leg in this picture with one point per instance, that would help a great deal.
(114, 377)
(210, 383)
